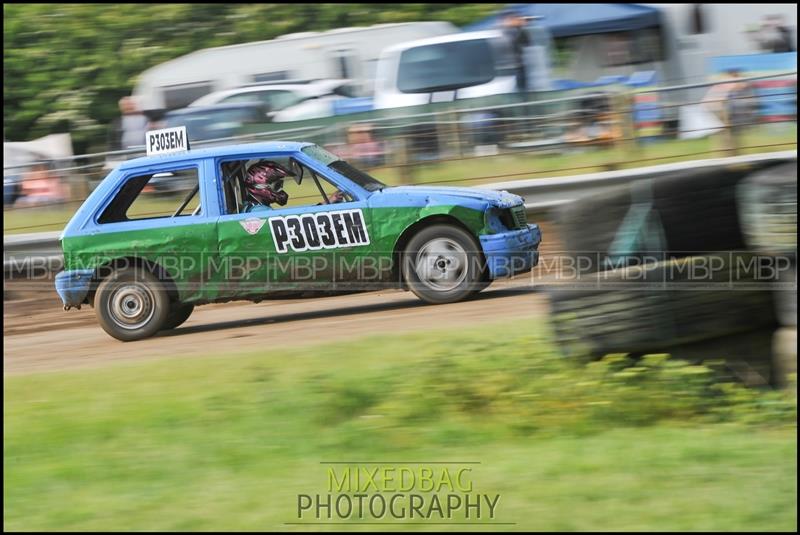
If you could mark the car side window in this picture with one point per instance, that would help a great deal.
(244, 98)
(172, 193)
(274, 100)
(312, 189)
(278, 100)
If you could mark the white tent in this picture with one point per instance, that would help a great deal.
(50, 147)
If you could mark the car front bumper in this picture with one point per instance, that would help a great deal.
(512, 252)
(74, 286)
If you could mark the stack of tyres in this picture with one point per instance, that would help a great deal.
(768, 206)
(686, 213)
(662, 266)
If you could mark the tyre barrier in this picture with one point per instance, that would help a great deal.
(658, 306)
(678, 214)
(768, 205)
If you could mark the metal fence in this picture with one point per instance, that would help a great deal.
(606, 128)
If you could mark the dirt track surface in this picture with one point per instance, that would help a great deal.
(40, 336)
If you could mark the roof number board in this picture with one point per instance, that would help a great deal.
(167, 140)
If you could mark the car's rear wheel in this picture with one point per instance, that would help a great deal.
(131, 304)
(443, 264)
(178, 314)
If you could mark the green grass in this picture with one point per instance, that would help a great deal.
(477, 171)
(229, 441)
(474, 171)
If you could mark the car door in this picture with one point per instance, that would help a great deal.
(310, 246)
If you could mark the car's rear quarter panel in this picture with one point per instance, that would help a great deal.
(183, 251)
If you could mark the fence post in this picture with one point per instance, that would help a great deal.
(440, 137)
(83, 188)
(457, 134)
(620, 125)
(400, 159)
(629, 141)
(728, 139)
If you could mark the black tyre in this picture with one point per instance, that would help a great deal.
(131, 304)
(178, 313)
(443, 264)
(651, 308)
(768, 207)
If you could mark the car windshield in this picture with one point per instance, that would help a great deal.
(361, 178)
(446, 66)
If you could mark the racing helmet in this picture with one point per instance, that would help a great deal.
(264, 183)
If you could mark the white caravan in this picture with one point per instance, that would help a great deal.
(342, 53)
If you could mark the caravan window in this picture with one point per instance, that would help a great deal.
(276, 76)
(633, 47)
(179, 96)
(446, 66)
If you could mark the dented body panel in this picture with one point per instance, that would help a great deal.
(215, 256)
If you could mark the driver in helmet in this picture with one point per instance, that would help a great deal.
(264, 186)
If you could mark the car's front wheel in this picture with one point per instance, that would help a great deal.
(131, 304)
(443, 264)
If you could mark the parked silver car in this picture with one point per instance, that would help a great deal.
(279, 96)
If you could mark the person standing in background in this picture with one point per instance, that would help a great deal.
(133, 124)
(784, 42)
(41, 186)
(718, 98)
(774, 36)
(514, 30)
(362, 148)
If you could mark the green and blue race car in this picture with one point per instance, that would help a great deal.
(340, 231)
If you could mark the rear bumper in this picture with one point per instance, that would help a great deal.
(73, 286)
(512, 252)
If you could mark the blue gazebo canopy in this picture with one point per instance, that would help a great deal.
(566, 20)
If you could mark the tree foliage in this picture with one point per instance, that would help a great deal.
(67, 66)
